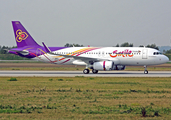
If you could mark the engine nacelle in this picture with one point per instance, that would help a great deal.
(119, 67)
(107, 65)
(104, 65)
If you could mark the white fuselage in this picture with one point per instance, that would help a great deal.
(119, 55)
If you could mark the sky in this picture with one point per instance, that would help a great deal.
(88, 22)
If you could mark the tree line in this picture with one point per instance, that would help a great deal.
(3, 49)
(126, 44)
(5, 55)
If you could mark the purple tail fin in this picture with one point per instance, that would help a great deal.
(22, 37)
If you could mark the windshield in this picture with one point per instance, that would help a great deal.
(157, 53)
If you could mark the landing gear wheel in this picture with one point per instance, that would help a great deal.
(94, 71)
(86, 71)
(145, 69)
(145, 72)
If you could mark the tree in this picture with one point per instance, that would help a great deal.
(126, 44)
(67, 45)
(117, 45)
(168, 51)
(141, 46)
(73, 45)
(77, 45)
(164, 51)
(3, 51)
(153, 46)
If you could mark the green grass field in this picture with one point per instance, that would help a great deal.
(85, 98)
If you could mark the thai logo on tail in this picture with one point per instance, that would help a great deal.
(21, 35)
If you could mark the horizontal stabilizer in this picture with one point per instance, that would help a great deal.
(7, 50)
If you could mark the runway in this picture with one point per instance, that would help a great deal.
(80, 73)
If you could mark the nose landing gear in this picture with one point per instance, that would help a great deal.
(145, 69)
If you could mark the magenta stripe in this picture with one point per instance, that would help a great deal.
(66, 61)
(104, 65)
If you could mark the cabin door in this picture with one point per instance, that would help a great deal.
(144, 53)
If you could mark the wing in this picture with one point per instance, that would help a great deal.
(85, 59)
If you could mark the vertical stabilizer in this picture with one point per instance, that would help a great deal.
(22, 37)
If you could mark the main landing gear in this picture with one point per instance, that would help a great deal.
(145, 69)
(86, 71)
(94, 71)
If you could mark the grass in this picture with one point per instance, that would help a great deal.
(85, 98)
(12, 79)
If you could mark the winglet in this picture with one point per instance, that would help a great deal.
(46, 48)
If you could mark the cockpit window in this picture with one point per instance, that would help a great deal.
(157, 53)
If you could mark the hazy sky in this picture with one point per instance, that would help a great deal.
(88, 22)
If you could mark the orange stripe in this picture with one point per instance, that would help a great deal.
(82, 50)
(61, 59)
(79, 51)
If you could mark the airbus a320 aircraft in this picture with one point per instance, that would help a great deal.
(95, 58)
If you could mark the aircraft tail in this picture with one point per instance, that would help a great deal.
(22, 37)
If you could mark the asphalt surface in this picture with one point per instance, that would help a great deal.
(80, 73)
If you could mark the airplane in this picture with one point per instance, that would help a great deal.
(95, 58)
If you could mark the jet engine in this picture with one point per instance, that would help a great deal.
(104, 65)
(107, 65)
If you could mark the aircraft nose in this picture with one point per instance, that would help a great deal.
(165, 59)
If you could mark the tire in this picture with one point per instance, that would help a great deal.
(94, 71)
(86, 71)
(145, 72)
